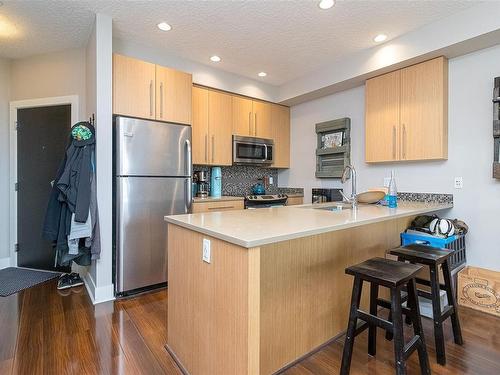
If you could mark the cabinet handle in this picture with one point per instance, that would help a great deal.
(151, 98)
(221, 208)
(404, 141)
(255, 125)
(213, 148)
(249, 123)
(394, 142)
(161, 99)
(206, 147)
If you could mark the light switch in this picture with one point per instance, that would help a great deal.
(459, 182)
(206, 250)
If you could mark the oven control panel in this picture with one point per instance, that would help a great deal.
(266, 197)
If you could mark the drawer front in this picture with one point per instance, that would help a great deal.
(291, 201)
(217, 206)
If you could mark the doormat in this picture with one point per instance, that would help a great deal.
(13, 280)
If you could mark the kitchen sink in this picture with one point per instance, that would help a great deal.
(335, 206)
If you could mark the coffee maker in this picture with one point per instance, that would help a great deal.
(201, 178)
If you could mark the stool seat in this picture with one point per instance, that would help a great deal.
(421, 254)
(386, 272)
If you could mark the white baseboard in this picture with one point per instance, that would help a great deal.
(99, 294)
(4, 262)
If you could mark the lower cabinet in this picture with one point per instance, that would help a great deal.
(292, 201)
(214, 206)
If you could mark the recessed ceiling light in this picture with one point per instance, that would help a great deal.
(262, 74)
(163, 26)
(326, 4)
(215, 58)
(380, 38)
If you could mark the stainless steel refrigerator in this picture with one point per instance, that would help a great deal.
(153, 176)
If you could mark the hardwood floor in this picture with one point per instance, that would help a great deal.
(47, 332)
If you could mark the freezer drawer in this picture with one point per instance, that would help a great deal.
(141, 231)
(152, 148)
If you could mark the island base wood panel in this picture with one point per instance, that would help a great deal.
(256, 311)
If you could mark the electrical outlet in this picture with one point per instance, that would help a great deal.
(206, 250)
(459, 182)
(387, 181)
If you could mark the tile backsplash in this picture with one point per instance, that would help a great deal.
(238, 180)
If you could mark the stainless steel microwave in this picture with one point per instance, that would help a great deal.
(252, 151)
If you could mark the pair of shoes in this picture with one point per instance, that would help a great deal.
(69, 280)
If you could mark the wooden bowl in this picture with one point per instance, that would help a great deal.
(371, 196)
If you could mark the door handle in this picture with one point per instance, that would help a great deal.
(265, 152)
(151, 98)
(161, 99)
(249, 123)
(404, 141)
(255, 125)
(394, 142)
(213, 148)
(206, 147)
(189, 180)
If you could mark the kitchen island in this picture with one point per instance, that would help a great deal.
(274, 289)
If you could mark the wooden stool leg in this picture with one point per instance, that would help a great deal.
(455, 322)
(388, 334)
(372, 329)
(417, 327)
(436, 311)
(397, 321)
(351, 327)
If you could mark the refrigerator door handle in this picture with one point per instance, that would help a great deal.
(189, 191)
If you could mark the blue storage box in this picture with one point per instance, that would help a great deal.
(455, 243)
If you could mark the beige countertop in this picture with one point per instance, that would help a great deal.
(224, 198)
(251, 228)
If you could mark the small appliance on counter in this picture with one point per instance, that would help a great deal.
(326, 195)
(216, 182)
(258, 189)
(201, 178)
(265, 201)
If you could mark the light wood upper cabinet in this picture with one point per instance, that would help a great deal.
(262, 119)
(242, 116)
(382, 117)
(173, 95)
(212, 127)
(220, 128)
(407, 113)
(199, 129)
(145, 90)
(133, 87)
(251, 118)
(424, 110)
(280, 120)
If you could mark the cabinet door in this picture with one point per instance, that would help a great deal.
(262, 119)
(424, 110)
(220, 128)
(133, 87)
(242, 116)
(280, 123)
(173, 95)
(382, 103)
(200, 126)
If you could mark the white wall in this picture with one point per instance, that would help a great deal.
(470, 151)
(4, 160)
(53, 74)
(202, 74)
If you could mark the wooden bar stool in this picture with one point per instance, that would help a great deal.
(393, 275)
(434, 257)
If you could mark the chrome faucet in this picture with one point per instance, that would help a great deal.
(350, 172)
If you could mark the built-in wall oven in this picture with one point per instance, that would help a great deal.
(252, 151)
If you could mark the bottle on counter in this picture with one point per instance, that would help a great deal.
(393, 192)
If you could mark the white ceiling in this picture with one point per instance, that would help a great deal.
(286, 39)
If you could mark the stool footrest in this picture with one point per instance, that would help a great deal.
(410, 347)
(425, 282)
(387, 305)
(447, 311)
(379, 322)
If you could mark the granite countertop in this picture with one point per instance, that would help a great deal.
(224, 198)
(251, 228)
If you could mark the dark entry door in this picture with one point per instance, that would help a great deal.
(41, 142)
